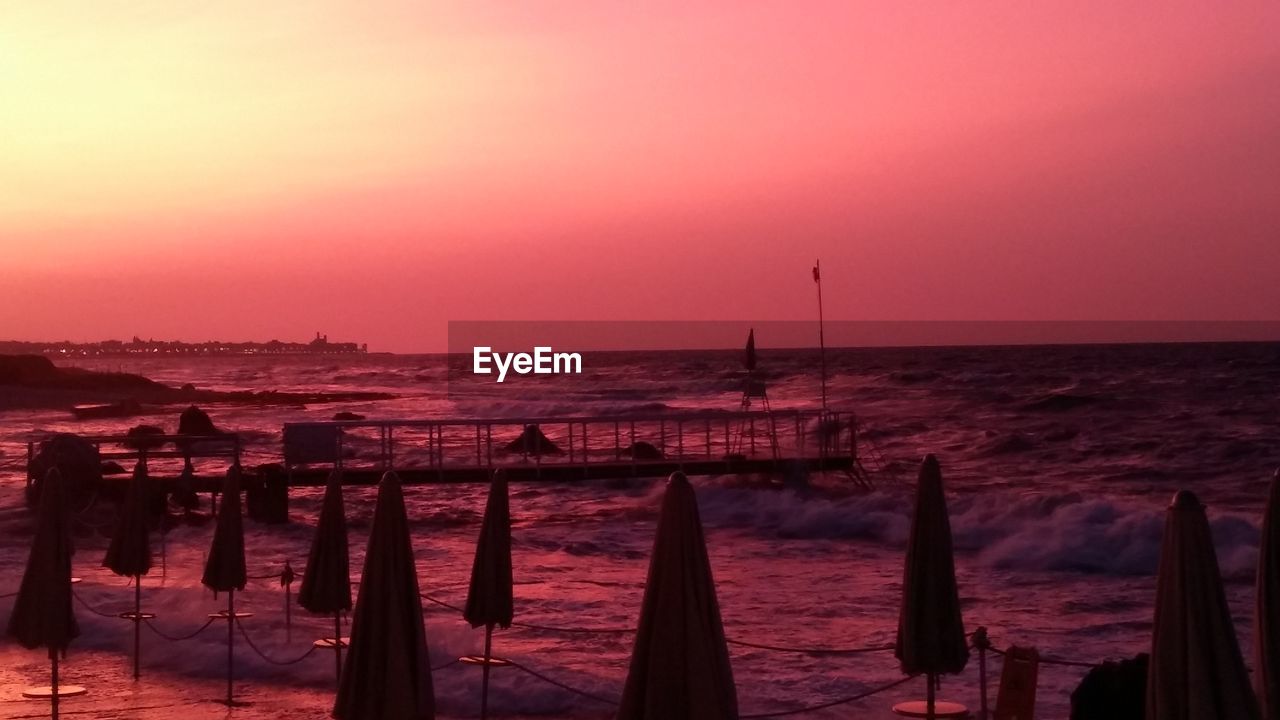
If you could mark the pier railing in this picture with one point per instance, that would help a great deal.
(135, 447)
(597, 446)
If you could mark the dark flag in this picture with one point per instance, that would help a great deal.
(816, 276)
(751, 349)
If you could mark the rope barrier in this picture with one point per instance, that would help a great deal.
(177, 638)
(441, 603)
(842, 701)
(1046, 660)
(91, 608)
(297, 574)
(622, 630)
(268, 658)
(754, 716)
(594, 631)
(813, 651)
(562, 686)
(532, 626)
(445, 665)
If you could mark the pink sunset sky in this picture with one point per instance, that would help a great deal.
(247, 170)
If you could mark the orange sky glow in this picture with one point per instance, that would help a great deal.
(245, 170)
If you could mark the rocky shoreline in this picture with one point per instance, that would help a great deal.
(34, 382)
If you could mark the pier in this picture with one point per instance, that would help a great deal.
(779, 444)
(575, 448)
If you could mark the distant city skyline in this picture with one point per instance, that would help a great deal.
(247, 171)
(702, 335)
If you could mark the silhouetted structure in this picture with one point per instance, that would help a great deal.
(490, 598)
(1196, 668)
(129, 554)
(1266, 631)
(42, 614)
(931, 639)
(326, 583)
(680, 666)
(387, 673)
(225, 570)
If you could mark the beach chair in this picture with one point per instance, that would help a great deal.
(1016, 699)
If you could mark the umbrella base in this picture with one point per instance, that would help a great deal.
(941, 709)
(222, 615)
(479, 660)
(44, 692)
(136, 616)
(328, 643)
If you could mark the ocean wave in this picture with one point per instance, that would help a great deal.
(1060, 401)
(1011, 443)
(1052, 532)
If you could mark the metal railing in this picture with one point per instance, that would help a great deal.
(136, 447)
(778, 435)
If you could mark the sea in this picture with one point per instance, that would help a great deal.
(1059, 464)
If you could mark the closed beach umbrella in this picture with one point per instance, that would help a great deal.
(129, 554)
(931, 639)
(225, 571)
(326, 583)
(387, 673)
(1266, 667)
(490, 600)
(42, 614)
(1196, 671)
(680, 663)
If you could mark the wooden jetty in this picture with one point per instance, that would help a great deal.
(785, 443)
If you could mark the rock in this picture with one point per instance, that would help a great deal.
(641, 450)
(76, 458)
(347, 416)
(187, 389)
(39, 371)
(194, 421)
(26, 369)
(111, 467)
(1112, 691)
(533, 442)
(140, 437)
(125, 408)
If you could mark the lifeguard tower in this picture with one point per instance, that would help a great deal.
(754, 392)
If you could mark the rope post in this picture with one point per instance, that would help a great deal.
(337, 648)
(286, 579)
(982, 643)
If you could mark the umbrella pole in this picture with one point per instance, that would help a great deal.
(930, 699)
(137, 626)
(337, 648)
(53, 696)
(231, 637)
(484, 682)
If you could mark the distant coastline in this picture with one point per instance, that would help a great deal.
(320, 345)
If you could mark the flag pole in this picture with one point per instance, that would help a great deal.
(822, 342)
